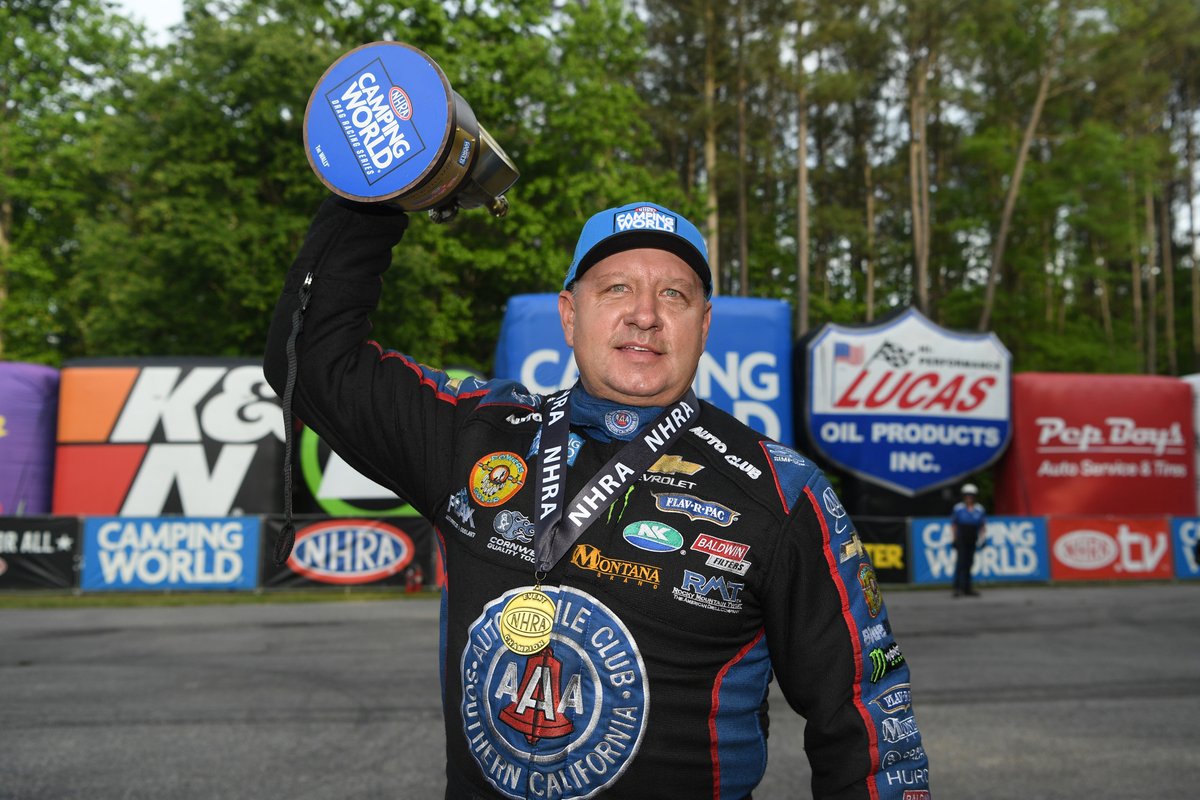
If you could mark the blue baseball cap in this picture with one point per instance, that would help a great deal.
(641, 224)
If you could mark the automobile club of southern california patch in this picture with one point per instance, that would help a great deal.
(565, 720)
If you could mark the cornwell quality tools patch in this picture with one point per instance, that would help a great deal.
(695, 508)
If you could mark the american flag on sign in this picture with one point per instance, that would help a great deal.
(846, 353)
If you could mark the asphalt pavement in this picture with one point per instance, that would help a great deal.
(1072, 692)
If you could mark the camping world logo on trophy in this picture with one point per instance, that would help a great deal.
(383, 125)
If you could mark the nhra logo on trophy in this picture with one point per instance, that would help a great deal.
(383, 125)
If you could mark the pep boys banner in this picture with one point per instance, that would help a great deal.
(1099, 444)
(745, 370)
(144, 437)
(137, 553)
(907, 404)
(1014, 549)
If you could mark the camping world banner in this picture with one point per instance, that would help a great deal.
(907, 404)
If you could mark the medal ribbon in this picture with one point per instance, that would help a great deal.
(554, 535)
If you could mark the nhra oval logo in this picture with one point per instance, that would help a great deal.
(1085, 550)
(401, 105)
(564, 721)
(350, 551)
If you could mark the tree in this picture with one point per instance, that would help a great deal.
(60, 66)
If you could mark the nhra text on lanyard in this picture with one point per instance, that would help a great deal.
(553, 535)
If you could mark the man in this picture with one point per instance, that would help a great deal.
(626, 566)
(968, 524)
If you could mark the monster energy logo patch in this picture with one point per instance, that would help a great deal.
(884, 661)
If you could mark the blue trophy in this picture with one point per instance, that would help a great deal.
(383, 125)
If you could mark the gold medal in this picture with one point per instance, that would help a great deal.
(526, 622)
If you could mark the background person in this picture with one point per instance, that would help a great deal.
(626, 566)
(968, 524)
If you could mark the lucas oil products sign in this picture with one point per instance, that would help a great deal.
(147, 437)
(906, 404)
(745, 370)
(1012, 549)
(176, 553)
(1099, 444)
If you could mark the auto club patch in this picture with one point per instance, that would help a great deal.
(564, 721)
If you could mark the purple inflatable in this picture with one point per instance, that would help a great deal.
(28, 418)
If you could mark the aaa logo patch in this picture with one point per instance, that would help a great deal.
(497, 477)
(562, 722)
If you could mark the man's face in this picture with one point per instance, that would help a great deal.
(638, 321)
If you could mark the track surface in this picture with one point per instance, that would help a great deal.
(1045, 693)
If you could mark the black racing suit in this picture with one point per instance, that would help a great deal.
(729, 559)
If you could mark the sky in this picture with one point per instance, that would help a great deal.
(156, 15)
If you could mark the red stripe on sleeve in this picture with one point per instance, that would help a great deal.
(716, 706)
(852, 629)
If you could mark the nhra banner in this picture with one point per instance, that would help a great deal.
(345, 552)
(1110, 548)
(906, 404)
(745, 369)
(1013, 549)
(28, 407)
(1099, 444)
(176, 553)
(38, 552)
(1186, 534)
(144, 437)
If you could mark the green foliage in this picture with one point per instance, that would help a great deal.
(151, 197)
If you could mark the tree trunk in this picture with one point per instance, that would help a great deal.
(1191, 204)
(1135, 293)
(742, 212)
(1105, 302)
(713, 219)
(1014, 184)
(6, 218)
(1052, 276)
(869, 180)
(918, 184)
(1168, 270)
(802, 264)
(1151, 287)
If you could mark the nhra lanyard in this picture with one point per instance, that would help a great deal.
(553, 535)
